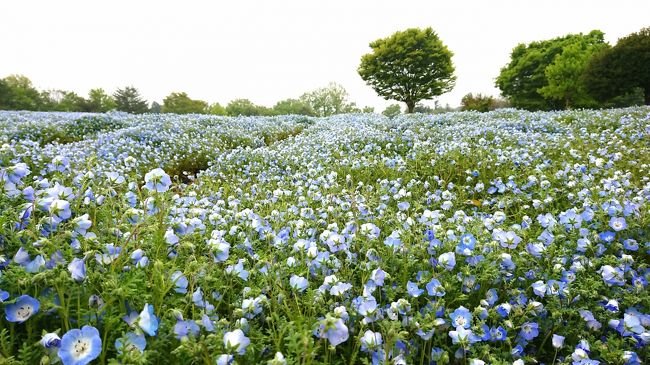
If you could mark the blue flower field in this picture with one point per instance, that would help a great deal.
(507, 237)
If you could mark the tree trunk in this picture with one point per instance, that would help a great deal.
(410, 106)
(647, 96)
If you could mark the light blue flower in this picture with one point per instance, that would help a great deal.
(147, 321)
(371, 341)
(413, 289)
(298, 283)
(435, 288)
(80, 346)
(180, 282)
(334, 330)
(185, 329)
(447, 260)
(157, 180)
(236, 341)
(22, 309)
(617, 224)
(77, 269)
(558, 341)
(131, 342)
(50, 340)
(461, 317)
(529, 330)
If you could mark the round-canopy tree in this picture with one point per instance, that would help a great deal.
(409, 66)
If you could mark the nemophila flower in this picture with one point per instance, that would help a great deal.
(157, 180)
(491, 296)
(463, 336)
(435, 288)
(131, 342)
(498, 334)
(298, 283)
(403, 206)
(558, 341)
(333, 329)
(529, 330)
(95, 302)
(631, 358)
(77, 269)
(180, 282)
(50, 340)
(278, 359)
(111, 254)
(631, 244)
(617, 224)
(139, 259)
(225, 359)
(539, 288)
(371, 341)
(461, 317)
(607, 236)
(413, 289)
(59, 163)
(612, 275)
(3, 296)
(185, 329)
(394, 241)
(340, 288)
(236, 341)
(238, 269)
(447, 260)
(466, 244)
(60, 210)
(82, 224)
(369, 230)
(378, 276)
(147, 321)
(536, 249)
(80, 346)
(21, 309)
(15, 173)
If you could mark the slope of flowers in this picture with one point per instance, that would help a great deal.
(504, 237)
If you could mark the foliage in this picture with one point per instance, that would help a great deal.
(618, 70)
(478, 102)
(128, 100)
(525, 80)
(217, 109)
(503, 237)
(245, 107)
(180, 103)
(99, 101)
(564, 74)
(293, 106)
(329, 100)
(18, 93)
(392, 111)
(409, 66)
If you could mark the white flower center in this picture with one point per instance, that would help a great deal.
(460, 321)
(24, 312)
(81, 348)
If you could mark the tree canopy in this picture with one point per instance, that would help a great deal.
(129, 100)
(180, 103)
(619, 70)
(547, 74)
(328, 100)
(409, 66)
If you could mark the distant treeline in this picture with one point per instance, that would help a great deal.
(18, 93)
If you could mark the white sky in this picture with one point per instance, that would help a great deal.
(272, 50)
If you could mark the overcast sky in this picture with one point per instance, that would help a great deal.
(272, 50)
